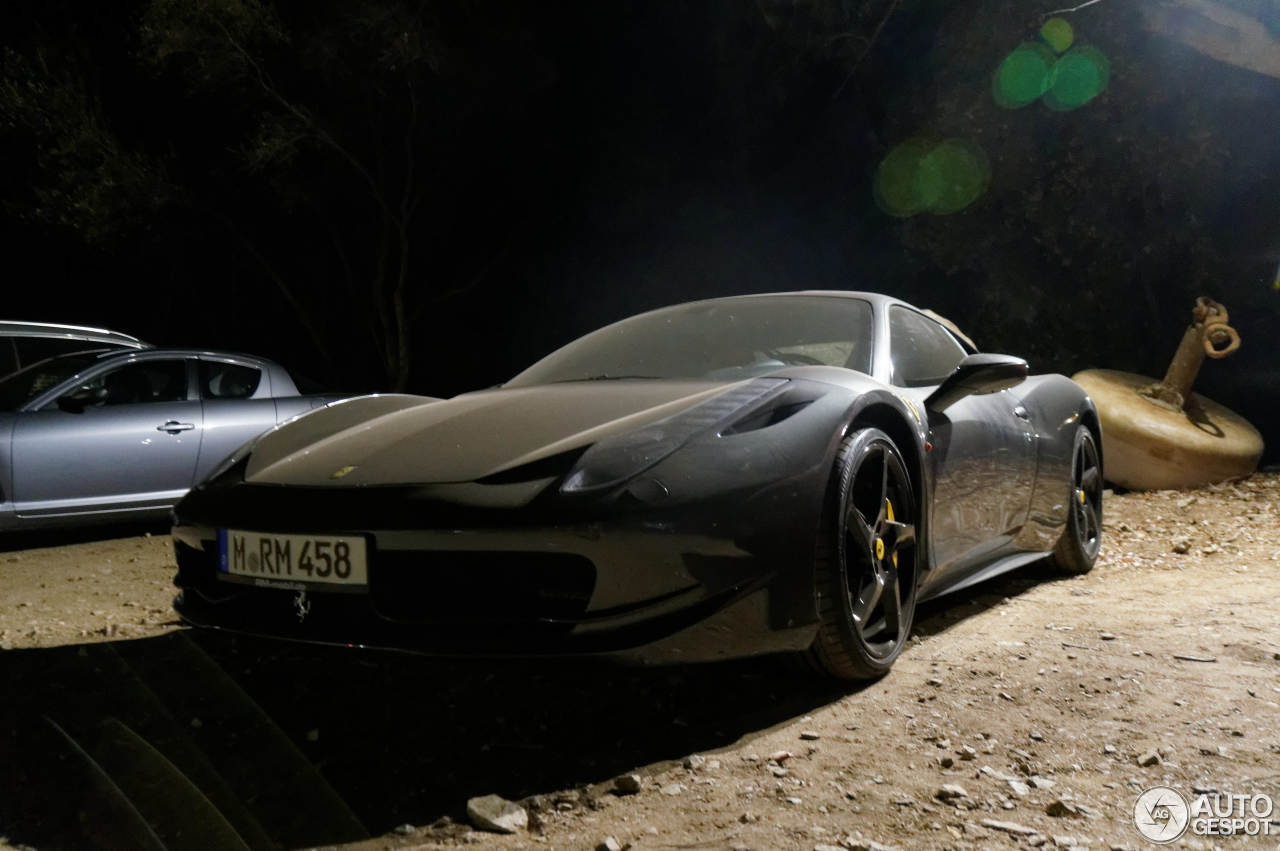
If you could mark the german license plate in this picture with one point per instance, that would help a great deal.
(293, 561)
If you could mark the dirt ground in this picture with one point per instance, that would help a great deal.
(1028, 711)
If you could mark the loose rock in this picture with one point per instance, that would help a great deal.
(496, 814)
(627, 784)
(1061, 808)
(1009, 827)
(1148, 759)
(950, 792)
(609, 844)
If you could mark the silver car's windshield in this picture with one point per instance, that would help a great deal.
(719, 340)
(26, 384)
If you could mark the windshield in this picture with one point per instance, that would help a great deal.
(720, 340)
(26, 384)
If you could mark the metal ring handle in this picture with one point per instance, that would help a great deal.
(1216, 332)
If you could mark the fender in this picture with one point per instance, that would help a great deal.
(1059, 406)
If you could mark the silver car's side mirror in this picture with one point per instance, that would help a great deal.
(83, 397)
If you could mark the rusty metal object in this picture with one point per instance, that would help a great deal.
(1208, 330)
(1159, 434)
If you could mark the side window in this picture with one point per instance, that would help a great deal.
(220, 380)
(29, 383)
(34, 349)
(8, 356)
(145, 381)
(922, 351)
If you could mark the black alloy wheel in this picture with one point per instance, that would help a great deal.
(1077, 549)
(866, 568)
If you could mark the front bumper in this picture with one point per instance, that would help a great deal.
(648, 586)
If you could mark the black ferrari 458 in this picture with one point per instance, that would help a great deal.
(738, 476)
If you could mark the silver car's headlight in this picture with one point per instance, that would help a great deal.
(614, 460)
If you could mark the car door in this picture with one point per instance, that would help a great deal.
(237, 403)
(136, 448)
(983, 452)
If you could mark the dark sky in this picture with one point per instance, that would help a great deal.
(580, 162)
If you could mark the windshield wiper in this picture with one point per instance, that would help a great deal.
(604, 376)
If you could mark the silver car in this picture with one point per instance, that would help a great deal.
(25, 343)
(123, 435)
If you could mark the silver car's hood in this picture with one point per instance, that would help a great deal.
(382, 440)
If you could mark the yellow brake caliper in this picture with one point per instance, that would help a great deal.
(888, 513)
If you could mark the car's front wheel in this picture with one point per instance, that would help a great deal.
(866, 565)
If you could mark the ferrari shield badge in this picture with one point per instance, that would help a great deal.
(342, 471)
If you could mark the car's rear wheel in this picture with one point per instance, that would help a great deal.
(866, 565)
(1077, 549)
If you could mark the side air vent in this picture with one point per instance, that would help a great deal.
(765, 418)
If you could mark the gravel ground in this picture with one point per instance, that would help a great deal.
(1028, 711)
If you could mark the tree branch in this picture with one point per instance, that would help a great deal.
(349, 278)
(871, 42)
(1047, 15)
(269, 88)
(312, 331)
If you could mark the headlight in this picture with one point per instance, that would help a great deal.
(615, 460)
(235, 463)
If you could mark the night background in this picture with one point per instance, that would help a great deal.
(429, 196)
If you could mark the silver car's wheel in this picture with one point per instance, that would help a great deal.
(866, 560)
(1077, 549)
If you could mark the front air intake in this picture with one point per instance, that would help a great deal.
(444, 587)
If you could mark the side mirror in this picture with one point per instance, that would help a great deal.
(981, 373)
(82, 397)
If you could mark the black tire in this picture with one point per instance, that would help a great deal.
(866, 560)
(1077, 549)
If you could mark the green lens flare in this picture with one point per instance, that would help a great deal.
(1023, 76)
(895, 182)
(1079, 76)
(952, 176)
(1058, 34)
(926, 175)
